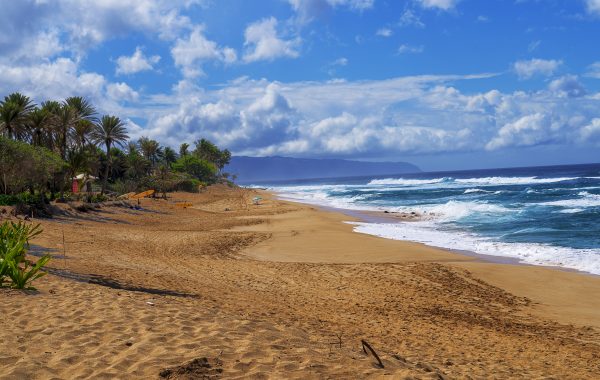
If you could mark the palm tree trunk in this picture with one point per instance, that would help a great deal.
(107, 169)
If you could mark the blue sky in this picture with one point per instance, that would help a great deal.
(445, 84)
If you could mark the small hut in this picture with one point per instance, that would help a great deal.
(83, 180)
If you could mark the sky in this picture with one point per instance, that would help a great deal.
(443, 84)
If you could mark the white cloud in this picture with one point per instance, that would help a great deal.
(263, 42)
(567, 86)
(122, 91)
(135, 63)
(591, 132)
(384, 32)
(526, 69)
(593, 6)
(189, 53)
(404, 49)
(51, 80)
(594, 70)
(362, 119)
(526, 131)
(439, 4)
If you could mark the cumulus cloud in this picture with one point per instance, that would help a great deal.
(135, 63)
(122, 91)
(407, 115)
(190, 52)
(439, 4)
(567, 86)
(263, 42)
(526, 69)
(51, 80)
(594, 70)
(591, 132)
(526, 131)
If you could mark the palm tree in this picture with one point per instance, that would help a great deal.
(82, 108)
(132, 148)
(150, 149)
(110, 131)
(36, 124)
(169, 156)
(13, 114)
(183, 152)
(52, 109)
(81, 133)
(66, 119)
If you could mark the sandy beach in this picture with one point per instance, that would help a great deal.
(228, 289)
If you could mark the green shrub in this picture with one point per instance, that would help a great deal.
(24, 166)
(8, 200)
(190, 185)
(25, 198)
(14, 267)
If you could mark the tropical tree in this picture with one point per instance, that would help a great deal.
(65, 120)
(82, 108)
(38, 126)
(13, 115)
(150, 149)
(208, 151)
(183, 154)
(109, 131)
(81, 133)
(169, 156)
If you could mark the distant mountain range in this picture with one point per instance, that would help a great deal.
(262, 169)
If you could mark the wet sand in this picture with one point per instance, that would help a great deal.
(283, 290)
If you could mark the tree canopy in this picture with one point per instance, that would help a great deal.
(42, 147)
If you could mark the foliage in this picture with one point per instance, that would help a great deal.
(14, 242)
(208, 151)
(190, 185)
(25, 167)
(200, 169)
(42, 147)
(25, 198)
(110, 131)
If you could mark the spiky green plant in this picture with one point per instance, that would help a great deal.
(14, 242)
(23, 274)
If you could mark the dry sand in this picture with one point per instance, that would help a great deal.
(282, 290)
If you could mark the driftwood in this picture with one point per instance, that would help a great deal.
(366, 345)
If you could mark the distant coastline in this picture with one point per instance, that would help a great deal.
(263, 169)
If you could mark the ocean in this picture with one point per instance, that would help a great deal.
(539, 215)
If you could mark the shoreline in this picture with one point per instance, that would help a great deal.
(383, 217)
(537, 282)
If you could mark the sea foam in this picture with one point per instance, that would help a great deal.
(586, 260)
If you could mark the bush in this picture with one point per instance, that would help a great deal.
(22, 198)
(189, 185)
(14, 267)
(24, 166)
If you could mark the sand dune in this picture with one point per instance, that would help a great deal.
(282, 290)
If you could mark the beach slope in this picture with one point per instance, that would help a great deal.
(282, 290)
